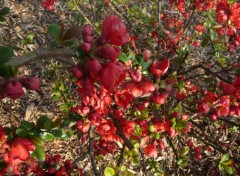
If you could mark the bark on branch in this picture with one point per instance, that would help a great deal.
(40, 53)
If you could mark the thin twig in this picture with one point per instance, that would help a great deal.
(120, 12)
(230, 122)
(215, 74)
(90, 150)
(84, 16)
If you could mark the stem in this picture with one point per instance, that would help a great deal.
(143, 163)
(89, 22)
(230, 122)
(40, 53)
(121, 133)
(91, 153)
(121, 156)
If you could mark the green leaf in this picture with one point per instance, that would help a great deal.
(179, 161)
(4, 11)
(67, 135)
(57, 133)
(54, 31)
(222, 61)
(123, 168)
(123, 57)
(224, 157)
(184, 150)
(6, 53)
(21, 132)
(27, 125)
(213, 34)
(109, 171)
(7, 71)
(45, 123)
(228, 169)
(47, 136)
(39, 153)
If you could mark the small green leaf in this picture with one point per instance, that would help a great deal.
(39, 153)
(228, 169)
(224, 157)
(109, 171)
(6, 53)
(179, 161)
(123, 168)
(57, 133)
(45, 123)
(54, 31)
(67, 135)
(47, 136)
(7, 71)
(151, 128)
(21, 132)
(27, 125)
(123, 57)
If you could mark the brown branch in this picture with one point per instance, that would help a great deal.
(215, 74)
(90, 150)
(230, 122)
(121, 156)
(121, 133)
(40, 53)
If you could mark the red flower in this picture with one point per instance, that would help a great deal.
(110, 74)
(123, 98)
(159, 68)
(151, 150)
(31, 83)
(108, 52)
(159, 99)
(49, 4)
(14, 89)
(147, 54)
(96, 119)
(204, 108)
(114, 31)
(93, 66)
(19, 152)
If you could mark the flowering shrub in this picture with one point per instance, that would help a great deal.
(140, 97)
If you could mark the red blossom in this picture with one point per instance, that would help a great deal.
(14, 89)
(151, 150)
(123, 98)
(31, 83)
(114, 31)
(49, 4)
(159, 98)
(110, 74)
(108, 52)
(159, 68)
